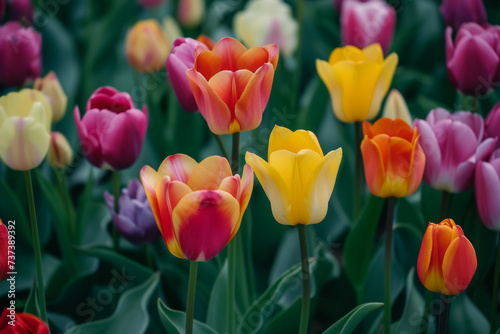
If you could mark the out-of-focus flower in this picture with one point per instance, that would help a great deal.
(181, 59)
(357, 80)
(198, 207)
(4, 252)
(339, 4)
(112, 130)
(151, 3)
(396, 107)
(492, 123)
(452, 144)
(135, 221)
(25, 323)
(487, 185)
(52, 89)
(365, 23)
(473, 62)
(231, 85)
(146, 47)
(457, 12)
(21, 54)
(24, 128)
(190, 13)
(171, 31)
(2, 9)
(447, 260)
(20, 10)
(206, 40)
(298, 179)
(267, 22)
(60, 154)
(393, 158)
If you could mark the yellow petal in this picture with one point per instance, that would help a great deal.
(209, 173)
(383, 84)
(349, 53)
(333, 84)
(374, 53)
(283, 139)
(396, 107)
(19, 104)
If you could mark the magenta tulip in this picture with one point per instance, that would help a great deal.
(487, 184)
(492, 124)
(20, 10)
(111, 131)
(2, 9)
(339, 4)
(20, 50)
(473, 62)
(452, 144)
(365, 23)
(457, 12)
(180, 59)
(151, 3)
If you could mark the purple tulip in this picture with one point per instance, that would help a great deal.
(487, 185)
(473, 63)
(20, 50)
(180, 59)
(111, 131)
(339, 4)
(457, 12)
(135, 220)
(20, 10)
(2, 9)
(452, 144)
(365, 23)
(492, 124)
(151, 3)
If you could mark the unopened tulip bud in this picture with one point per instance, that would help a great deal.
(190, 13)
(396, 107)
(457, 12)
(60, 154)
(52, 89)
(20, 10)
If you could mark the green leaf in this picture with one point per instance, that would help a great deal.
(31, 305)
(130, 316)
(217, 307)
(82, 209)
(349, 322)
(175, 321)
(465, 317)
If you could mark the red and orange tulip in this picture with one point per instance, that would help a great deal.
(393, 159)
(231, 85)
(24, 323)
(447, 260)
(198, 207)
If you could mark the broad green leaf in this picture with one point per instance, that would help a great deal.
(12, 209)
(31, 305)
(175, 321)
(351, 320)
(217, 307)
(465, 317)
(82, 208)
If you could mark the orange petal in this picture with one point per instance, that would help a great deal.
(230, 85)
(149, 179)
(206, 40)
(274, 53)
(373, 160)
(390, 127)
(425, 254)
(398, 165)
(417, 165)
(209, 173)
(253, 58)
(178, 167)
(229, 50)
(208, 64)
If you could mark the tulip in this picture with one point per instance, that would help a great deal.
(24, 129)
(357, 80)
(452, 144)
(20, 10)
(473, 62)
(21, 54)
(24, 323)
(60, 154)
(112, 130)
(492, 124)
(151, 3)
(2, 9)
(487, 186)
(365, 23)
(180, 59)
(396, 107)
(447, 260)
(171, 30)
(4, 252)
(135, 221)
(267, 22)
(190, 13)
(231, 85)
(146, 47)
(52, 89)
(198, 207)
(393, 158)
(339, 4)
(298, 179)
(457, 12)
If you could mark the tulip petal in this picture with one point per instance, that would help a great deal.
(373, 160)
(333, 82)
(373, 52)
(209, 174)
(208, 64)
(150, 178)
(273, 52)
(487, 184)
(178, 166)
(253, 58)
(203, 222)
(350, 53)
(283, 139)
(383, 84)
(229, 51)
(432, 152)
(20, 104)
(390, 127)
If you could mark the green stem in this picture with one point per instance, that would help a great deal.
(388, 243)
(297, 79)
(149, 258)
(304, 315)
(475, 104)
(116, 197)
(222, 146)
(427, 307)
(358, 177)
(446, 200)
(193, 272)
(494, 298)
(443, 316)
(36, 247)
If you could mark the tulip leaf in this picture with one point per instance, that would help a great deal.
(32, 305)
(12, 208)
(175, 321)
(465, 317)
(351, 320)
(83, 205)
(131, 313)
(217, 307)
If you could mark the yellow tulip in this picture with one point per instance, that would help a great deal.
(54, 93)
(396, 107)
(298, 179)
(357, 80)
(60, 154)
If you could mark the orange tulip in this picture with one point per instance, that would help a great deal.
(393, 159)
(231, 85)
(447, 260)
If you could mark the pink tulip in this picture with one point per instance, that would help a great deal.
(492, 124)
(151, 3)
(487, 185)
(2, 9)
(180, 59)
(365, 23)
(112, 130)
(339, 4)
(457, 12)
(20, 10)
(452, 144)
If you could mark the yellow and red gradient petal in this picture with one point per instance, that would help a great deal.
(203, 222)
(206, 40)
(207, 63)
(246, 188)
(459, 263)
(231, 185)
(150, 178)
(373, 159)
(178, 167)
(229, 86)
(209, 173)
(274, 52)
(417, 165)
(253, 59)
(229, 51)
(284, 139)
(398, 166)
(390, 127)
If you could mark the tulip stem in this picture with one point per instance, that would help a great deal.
(388, 245)
(475, 104)
(443, 316)
(299, 11)
(494, 298)
(222, 146)
(193, 272)
(116, 198)
(425, 316)
(304, 316)
(36, 247)
(149, 258)
(359, 170)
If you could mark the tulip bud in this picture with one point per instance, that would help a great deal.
(396, 107)
(457, 12)
(20, 10)
(21, 54)
(190, 13)
(146, 47)
(60, 154)
(4, 250)
(151, 3)
(492, 124)
(447, 260)
(52, 89)
(365, 23)
(171, 31)
(24, 323)
(339, 4)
